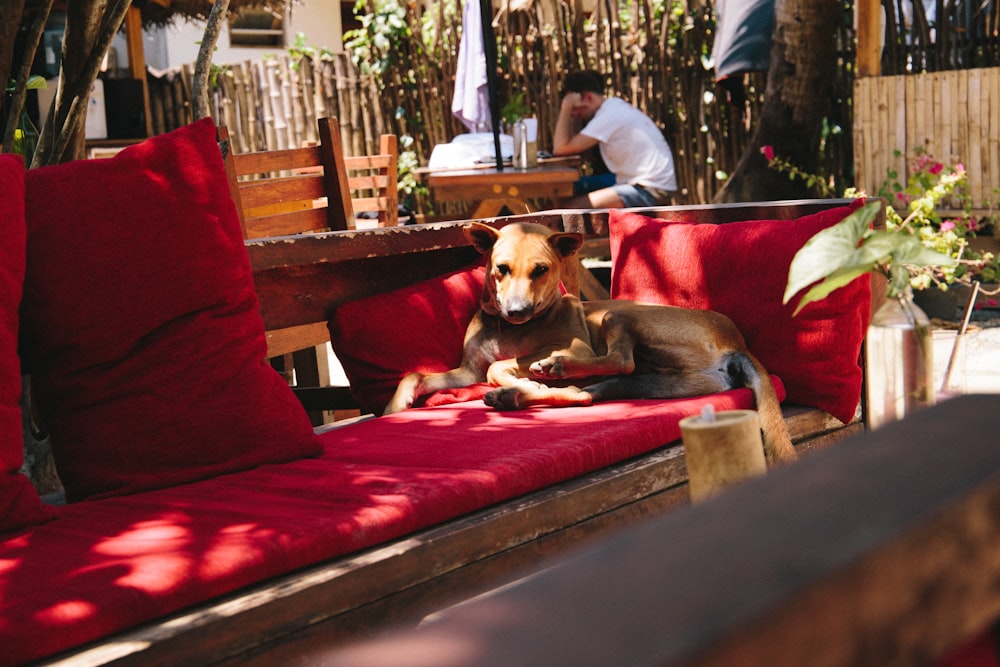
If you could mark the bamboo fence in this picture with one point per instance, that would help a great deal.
(953, 115)
(651, 60)
(276, 102)
(939, 92)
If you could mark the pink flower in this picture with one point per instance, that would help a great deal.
(947, 225)
(936, 168)
(767, 152)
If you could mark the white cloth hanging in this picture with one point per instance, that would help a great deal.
(471, 103)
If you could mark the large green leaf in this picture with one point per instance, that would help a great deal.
(834, 281)
(909, 250)
(829, 250)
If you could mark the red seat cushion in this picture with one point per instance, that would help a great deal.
(740, 269)
(141, 328)
(19, 504)
(117, 562)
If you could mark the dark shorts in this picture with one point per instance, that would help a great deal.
(632, 196)
(595, 182)
(637, 196)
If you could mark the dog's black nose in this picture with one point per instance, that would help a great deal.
(519, 315)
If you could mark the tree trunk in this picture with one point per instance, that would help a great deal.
(798, 96)
(90, 26)
(10, 19)
(203, 65)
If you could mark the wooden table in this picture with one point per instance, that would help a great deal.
(492, 190)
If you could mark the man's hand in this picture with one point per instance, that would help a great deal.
(571, 100)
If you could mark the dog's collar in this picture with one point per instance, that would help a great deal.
(499, 324)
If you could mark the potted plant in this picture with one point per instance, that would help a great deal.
(932, 187)
(898, 345)
(916, 209)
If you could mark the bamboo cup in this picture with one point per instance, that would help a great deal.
(721, 449)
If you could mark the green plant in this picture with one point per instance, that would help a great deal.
(515, 109)
(814, 181)
(851, 248)
(932, 187)
(914, 216)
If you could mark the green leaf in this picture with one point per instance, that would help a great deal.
(912, 252)
(830, 250)
(833, 282)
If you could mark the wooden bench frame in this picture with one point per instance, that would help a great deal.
(881, 551)
(299, 280)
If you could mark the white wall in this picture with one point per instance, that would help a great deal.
(319, 20)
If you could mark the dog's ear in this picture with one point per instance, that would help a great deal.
(482, 236)
(566, 243)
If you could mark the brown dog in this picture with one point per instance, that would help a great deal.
(527, 331)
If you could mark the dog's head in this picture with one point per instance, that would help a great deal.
(524, 267)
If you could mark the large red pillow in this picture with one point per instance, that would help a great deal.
(140, 322)
(381, 338)
(740, 269)
(19, 504)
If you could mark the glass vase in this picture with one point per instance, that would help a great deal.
(899, 357)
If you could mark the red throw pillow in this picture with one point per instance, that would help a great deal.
(19, 504)
(140, 322)
(381, 338)
(740, 269)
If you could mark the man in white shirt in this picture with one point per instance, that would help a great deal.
(631, 145)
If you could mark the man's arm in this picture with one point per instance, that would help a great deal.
(566, 139)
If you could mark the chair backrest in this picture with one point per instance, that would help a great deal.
(374, 183)
(309, 189)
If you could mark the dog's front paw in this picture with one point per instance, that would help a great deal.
(504, 398)
(405, 394)
(550, 367)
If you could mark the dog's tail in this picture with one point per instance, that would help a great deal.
(747, 372)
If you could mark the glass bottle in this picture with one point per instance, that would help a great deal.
(899, 360)
(25, 137)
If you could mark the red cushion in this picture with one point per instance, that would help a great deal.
(740, 269)
(114, 563)
(19, 504)
(141, 328)
(381, 338)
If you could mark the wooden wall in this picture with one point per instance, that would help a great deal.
(950, 114)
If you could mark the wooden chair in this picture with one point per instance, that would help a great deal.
(309, 189)
(313, 188)
(374, 182)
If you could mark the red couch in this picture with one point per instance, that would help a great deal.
(191, 469)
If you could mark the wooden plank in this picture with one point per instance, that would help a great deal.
(276, 190)
(991, 157)
(898, 164)
(973, 155)
(880, 551)
(137, 60)
(869, 38)
(291, 339)
(265, 162)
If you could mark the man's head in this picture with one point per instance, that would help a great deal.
(587, 87)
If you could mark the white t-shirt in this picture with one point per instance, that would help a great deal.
(632, 146)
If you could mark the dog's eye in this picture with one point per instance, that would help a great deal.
(539, 271)
(503, 269)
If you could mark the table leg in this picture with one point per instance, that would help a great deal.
(489, 208)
